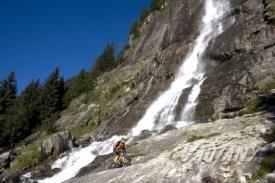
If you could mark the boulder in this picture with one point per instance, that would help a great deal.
(42, 171)
(6, 159)
(10, 178)
(56, 144)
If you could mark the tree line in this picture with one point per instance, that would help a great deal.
(39, 104)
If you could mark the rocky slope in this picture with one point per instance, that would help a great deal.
(228, 150)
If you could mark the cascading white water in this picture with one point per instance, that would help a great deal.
(190, 75)
(79, 158)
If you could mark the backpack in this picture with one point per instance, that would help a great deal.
(116, 144)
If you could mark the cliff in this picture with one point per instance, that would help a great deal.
(238, 64)
(239, 71)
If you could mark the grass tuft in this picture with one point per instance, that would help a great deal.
(195, 137)
(268, 161)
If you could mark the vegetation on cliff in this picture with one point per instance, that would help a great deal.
(156, 5)
(267, 163)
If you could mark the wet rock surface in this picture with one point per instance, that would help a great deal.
(240, 61)
(10, 178)
(42, 171)
(228, 151)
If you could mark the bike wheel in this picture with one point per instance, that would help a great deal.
(110, 165)
(126, 161)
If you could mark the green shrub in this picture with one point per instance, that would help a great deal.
(136, 155)
(269, 86)
(78, 132)
(266, 166)
(31, 159)
(270, 137)
(255, 105)
(115, 88)
(156, 5)
(48, 123)
(144, 14)
(135, 29)
(253, 79)
(268, 162)
(212, 135)
(194, 138)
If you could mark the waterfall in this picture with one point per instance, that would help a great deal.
(77, 159)
(190, 75)
(161, 112)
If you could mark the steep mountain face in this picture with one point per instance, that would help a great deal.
(238, 68)
(238, 63)
(153, 59)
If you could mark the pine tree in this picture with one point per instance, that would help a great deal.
(120, 56)
(77, 85)
(134, 32)
(51, 100)
(8, 89)
(105, 62)
(23, 116)
(81, 81)
(62, 91)
(156, 5)
(16, 123)
(29, 100)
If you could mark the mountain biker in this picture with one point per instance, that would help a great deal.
(118, 147)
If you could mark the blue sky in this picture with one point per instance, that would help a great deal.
(36, 36)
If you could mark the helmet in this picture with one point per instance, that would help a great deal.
(124, 137)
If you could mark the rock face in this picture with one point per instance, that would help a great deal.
(6, 159)
(154, 58)
(56, 144)
(228, 150)
(238, 64)
(10, 178)
(42, 171)
(239, 67)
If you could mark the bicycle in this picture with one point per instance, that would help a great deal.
(123, 160)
